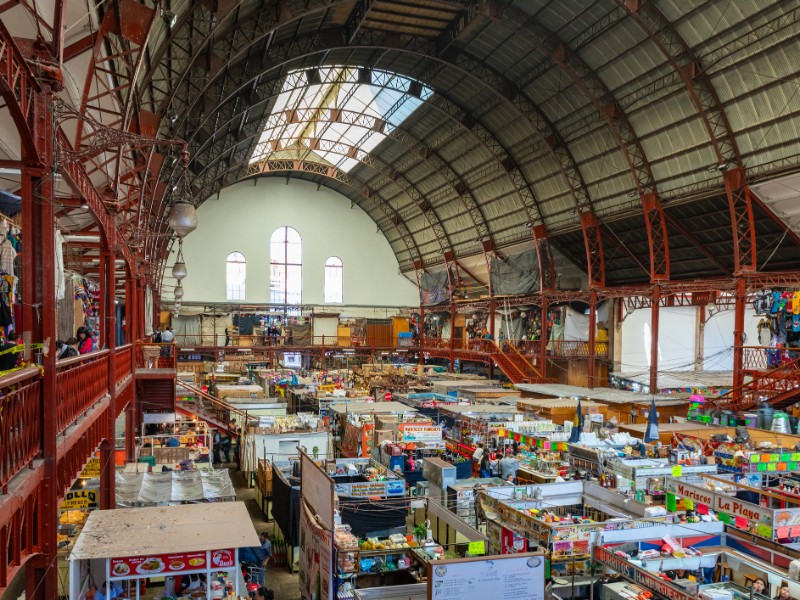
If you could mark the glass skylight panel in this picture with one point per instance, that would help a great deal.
(301, 125)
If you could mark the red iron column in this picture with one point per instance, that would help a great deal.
(738, 335)
(590, 371)
(108, 311)
(39, 323)
(654, 314)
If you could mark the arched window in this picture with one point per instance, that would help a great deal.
(286, 265)
(235, 275)
(333, 279)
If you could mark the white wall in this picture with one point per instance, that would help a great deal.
(244, 217)
(677, 326)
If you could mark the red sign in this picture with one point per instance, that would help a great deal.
(387, 396)
(170, 563)
(511, 543)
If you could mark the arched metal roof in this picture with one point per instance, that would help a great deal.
(623, 133)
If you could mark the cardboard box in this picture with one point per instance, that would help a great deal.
(383, 435)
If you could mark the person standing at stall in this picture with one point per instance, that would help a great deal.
(217, 442)
(784, 593)
(758, 586)
(476, 460)
(509, 465)
(226, 446)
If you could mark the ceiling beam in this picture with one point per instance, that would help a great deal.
(356, 19)
(696, 243)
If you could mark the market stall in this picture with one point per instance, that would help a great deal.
(125, 546)
(355, 422)
(646, 477)
(467, 426)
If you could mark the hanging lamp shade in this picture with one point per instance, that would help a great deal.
(179, 270)
(178, 293)
(183, 218)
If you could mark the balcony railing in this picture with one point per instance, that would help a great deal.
(766, 358)
(20, 422)
(81, 381)
(122, 361)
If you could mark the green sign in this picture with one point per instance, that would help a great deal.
(477, 548)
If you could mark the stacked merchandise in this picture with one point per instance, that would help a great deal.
(780, 326)
(88, 293)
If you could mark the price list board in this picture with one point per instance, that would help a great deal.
(511, 577)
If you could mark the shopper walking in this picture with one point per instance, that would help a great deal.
(167, 338)
(477, 455)
(486, 467)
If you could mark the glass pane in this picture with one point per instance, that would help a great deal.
(294, 284)
(292, 236)
(277, 251)
(277, 284)
(294, 252)
(333, 282)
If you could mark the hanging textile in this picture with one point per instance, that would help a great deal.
(187, 330)
(7, 252)
(298, 335)
(66, 312)
(148, 311)
(517, 274)
(213, 329)
(61, 281)
(434, 288)
(576, 326)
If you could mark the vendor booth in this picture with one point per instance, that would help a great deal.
(124, 547)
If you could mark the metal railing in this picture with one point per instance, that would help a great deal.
(204, 404)
(80, 382)
(20, 422)
(122, 361)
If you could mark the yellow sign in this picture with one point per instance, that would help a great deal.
(92, 468)
(80, 499)
(677, 470)
(477, 548)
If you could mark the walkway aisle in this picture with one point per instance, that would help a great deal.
(285, 585)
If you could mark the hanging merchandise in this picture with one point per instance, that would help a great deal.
(7, 252)
(88, 294)
(61, 281)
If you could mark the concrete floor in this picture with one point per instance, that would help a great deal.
(279, 580)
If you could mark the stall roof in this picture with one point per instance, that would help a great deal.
(681, 379)
(371, 407)
(163, 530)
(606, 395)
(480, 409)
(530, 403)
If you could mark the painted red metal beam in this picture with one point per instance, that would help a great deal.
(79, 47)
(18, 87)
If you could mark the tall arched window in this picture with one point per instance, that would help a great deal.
(286, 265)
(333, 279)
(235, 276)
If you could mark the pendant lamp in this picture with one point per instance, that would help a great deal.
(182, 215)
(178, 292)
(179, 270)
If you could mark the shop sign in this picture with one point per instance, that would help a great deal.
(80, 499)
(639, 576)
(695, 494)
(171, 563)
(372, 488)
(421, 433)
(92, 468)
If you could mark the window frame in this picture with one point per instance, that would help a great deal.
(330, 269)
(284, 265)
(241, 288)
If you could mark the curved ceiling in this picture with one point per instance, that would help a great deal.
(605, 127)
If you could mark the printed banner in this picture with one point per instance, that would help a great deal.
(316, 556)
(644, 578)
(171, 563)
(420, 433)
(80, 499)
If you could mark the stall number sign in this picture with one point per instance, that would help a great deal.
(80, 499)
(92, 468)
(372, 488)
(639, 576)
(171, 563)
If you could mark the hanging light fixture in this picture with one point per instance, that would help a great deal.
(179, 270)
(178, 292)
(182, 215)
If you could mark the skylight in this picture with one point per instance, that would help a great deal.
(337, 115)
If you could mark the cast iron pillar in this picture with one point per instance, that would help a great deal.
(39, 326)
(654, 315)
(109, 336)
(590, 367)
(738, 336)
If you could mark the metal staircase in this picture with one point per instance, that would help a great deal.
(207, 407)
(779, 387)
(515, 366)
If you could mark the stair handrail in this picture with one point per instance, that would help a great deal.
(525, 360)
(793, 364)
(213, 399)
(498, 350)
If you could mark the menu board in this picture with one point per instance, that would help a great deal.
(122, 568)
(511, 577)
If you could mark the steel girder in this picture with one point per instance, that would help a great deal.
(587, 81)
(710, 109)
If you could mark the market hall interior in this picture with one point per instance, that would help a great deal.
(399, 299)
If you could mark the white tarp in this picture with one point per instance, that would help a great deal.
(576, 326)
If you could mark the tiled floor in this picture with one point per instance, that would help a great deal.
(279, 580)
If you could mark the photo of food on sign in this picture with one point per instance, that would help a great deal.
(151, 565)
(222, 558)
(121, 569)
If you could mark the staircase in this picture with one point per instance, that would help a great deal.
(206, 407)
(779, 387)
(515, 366)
